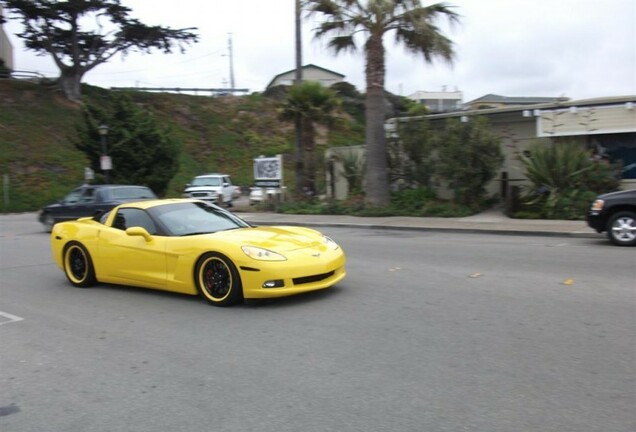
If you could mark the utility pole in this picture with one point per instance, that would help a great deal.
(229, 46)
(300, 156)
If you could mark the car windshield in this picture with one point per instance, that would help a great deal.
(207, 181)
(192, 218)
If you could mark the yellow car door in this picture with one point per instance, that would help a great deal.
(130, 252)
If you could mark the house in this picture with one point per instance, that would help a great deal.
(311, 72)
(606, 126)
(6, 49)
(439, 102)
(496, 101)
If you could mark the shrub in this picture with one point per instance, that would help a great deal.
(565, 179)
(469, 158)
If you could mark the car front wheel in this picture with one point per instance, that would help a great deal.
(621, 229)
(78, 265)
(48, 222)
(218, 280)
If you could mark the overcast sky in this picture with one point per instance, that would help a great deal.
(574, 48)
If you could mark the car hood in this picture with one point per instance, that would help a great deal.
(275, 238)
(202, 188)
(52, 206)
(626, 194)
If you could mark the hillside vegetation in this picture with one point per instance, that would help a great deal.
(38, 128)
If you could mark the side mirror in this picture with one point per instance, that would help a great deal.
(140, 232)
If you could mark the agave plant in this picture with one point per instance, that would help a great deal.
(560, 175)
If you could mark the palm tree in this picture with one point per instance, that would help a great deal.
(311, 103)
(414, 26)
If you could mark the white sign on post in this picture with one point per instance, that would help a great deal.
(268, 171)
(106, 163)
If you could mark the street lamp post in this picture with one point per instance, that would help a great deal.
(104, 160)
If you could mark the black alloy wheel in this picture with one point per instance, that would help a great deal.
(78, 265)
(218, 280)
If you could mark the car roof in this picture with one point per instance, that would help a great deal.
(146, 204)
(113, 186)
(213, 175)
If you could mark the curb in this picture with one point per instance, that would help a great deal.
(464, 230)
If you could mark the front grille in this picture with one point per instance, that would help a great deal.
(200, 194)
(314, 278)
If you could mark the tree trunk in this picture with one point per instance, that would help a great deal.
(309, 138)
(70, 83)
(377, 183)
(299, 165)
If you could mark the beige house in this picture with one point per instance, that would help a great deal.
(6, 49)
(606, 126)
(497, 101)
(439, 102)
(311, 72)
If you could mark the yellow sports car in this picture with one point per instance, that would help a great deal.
(193, 247)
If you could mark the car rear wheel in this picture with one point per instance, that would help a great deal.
(78, 265)
(218, 280)
(621, 229)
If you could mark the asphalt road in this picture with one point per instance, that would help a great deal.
(429, 332)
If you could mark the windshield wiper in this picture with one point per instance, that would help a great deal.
(197, 233)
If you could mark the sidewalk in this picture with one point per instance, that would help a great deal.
(491, 221)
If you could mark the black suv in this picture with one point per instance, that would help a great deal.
(615, 213)
(89, 200)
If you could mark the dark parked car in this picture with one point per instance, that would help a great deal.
(615, 213)
(89, 200)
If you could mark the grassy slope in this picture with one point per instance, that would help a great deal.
(37, 128)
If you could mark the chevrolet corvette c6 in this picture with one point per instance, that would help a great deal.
(193, 247)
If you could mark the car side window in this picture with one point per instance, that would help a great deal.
(129, 217)
(73, 197)
(88, 196)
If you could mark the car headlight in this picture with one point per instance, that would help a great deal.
(330, 243)
(598, 205)
(262, 254)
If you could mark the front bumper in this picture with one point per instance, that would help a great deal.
(596, 221)
(297, 276)
(203, 196)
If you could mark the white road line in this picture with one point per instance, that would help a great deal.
(10, 318)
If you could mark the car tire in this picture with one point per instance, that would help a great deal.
(217, 280)
(621, 228)
(48, 222)
(78, 266)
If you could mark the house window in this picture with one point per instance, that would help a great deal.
(621, 148)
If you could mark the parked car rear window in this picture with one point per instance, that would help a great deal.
(131, 193)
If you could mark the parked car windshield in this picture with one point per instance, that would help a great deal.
(191, 218)
(207, 181)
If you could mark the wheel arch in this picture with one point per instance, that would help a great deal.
(617, 209)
